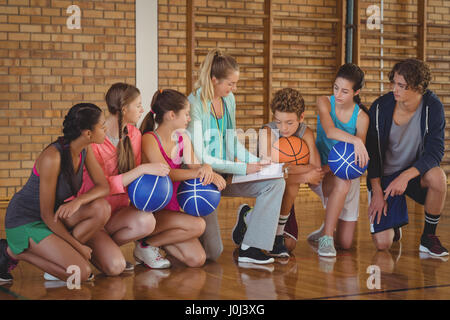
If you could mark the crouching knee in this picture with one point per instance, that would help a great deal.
(102, 210)
(195, 260)
(383, 244)
(114, 267)
(85, 272)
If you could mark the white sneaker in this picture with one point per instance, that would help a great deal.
(49, 277)
(326, 247)
(315, 235)
(150, 256)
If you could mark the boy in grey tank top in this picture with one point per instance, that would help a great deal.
(288, 113)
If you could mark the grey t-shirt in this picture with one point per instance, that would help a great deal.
(404, 144)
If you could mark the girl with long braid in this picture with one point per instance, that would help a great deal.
(46, 223)
(120, 159)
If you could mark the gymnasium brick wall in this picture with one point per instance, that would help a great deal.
(303, 60)
(45, 68)
(400, 42)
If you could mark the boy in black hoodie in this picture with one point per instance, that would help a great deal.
(405, 142)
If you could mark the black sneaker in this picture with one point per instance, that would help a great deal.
(240, 227)
(128, 266)
(6, 263)
(279, 249)
(254, 255)
(397, 234)
(430, 243)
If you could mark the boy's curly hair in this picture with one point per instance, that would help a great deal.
(417, 74)
(288, 100)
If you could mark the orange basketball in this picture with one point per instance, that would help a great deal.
(291, 150)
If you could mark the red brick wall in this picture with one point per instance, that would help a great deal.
(45, 68)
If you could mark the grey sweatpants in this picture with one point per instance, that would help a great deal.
(263, 224)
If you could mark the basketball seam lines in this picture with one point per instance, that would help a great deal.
(135, 187)
(196, 206)
(151, 193)
(345, 161)
(167, 195)
(199, 197)
(213, 191)
(293, 151)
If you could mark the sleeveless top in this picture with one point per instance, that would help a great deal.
(324, 145)
(273, 126)
(24, 206)
(174, 164)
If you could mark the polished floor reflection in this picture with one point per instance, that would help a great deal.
(403, 272)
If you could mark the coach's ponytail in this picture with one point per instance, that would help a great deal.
(218, 65)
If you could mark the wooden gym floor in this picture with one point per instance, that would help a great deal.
(404, 273)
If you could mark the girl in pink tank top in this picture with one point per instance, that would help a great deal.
(176, 231)
(173, 164)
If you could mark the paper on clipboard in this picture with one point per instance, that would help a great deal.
(272, 171)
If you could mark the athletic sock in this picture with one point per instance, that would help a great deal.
(431, 222)
(281, 223)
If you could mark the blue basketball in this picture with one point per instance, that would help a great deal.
(150, 193)
(341, 160)
(196, 199)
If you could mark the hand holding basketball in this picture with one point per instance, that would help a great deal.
(341, 160)
(219, 181)
(205, 174)
(157, 169)
(361, 155)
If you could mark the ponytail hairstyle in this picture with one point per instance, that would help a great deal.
(82, 116)
(354, 74)
(163, 101)
(218, 65)
(117, 97)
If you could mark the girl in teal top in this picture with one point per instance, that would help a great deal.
(325, 144)
(339, 119)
